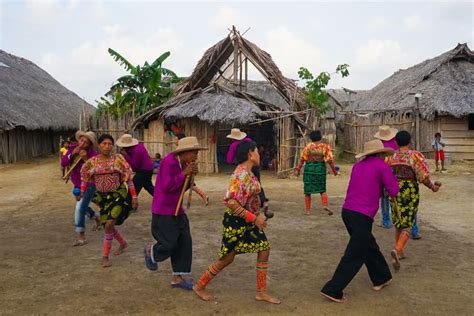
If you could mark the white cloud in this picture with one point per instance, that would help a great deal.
(380, 55)
(413, 22)
(90, 69)
(227, 16)
(290, 52)
(49, 10)
(377, 23)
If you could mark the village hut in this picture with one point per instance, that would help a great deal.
(218, 96)
(35, 110)
(436, 95)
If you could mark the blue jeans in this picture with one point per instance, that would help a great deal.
(385, 206)
(81, 207)
(414, 230)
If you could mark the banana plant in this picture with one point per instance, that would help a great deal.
(143, 88)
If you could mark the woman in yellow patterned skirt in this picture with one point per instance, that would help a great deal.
(243, 226)
(410, 168)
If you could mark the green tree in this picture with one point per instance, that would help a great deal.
(315, 94)
(145, 87)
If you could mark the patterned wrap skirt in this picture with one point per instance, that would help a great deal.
(241, 237)
(408, 199)
(114, 205)
(314, 177)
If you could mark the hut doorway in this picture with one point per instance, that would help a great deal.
(263, 134)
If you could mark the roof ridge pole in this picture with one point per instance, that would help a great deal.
(235, 42)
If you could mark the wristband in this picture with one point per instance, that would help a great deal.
(83, 187)
(250, 217)
(133, 193)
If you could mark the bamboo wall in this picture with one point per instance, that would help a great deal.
(457, 136)
(106, 124)
(19, 144)
(158, 141)
(361, 127)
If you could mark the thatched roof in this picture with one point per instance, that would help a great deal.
(218, 108)
(209, 76)
(446, 83)
(31, 98)
(345, 97)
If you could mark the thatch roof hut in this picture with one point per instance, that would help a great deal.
(437, 93)
(35, 110)
(218, 96)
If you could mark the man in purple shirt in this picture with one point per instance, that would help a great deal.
(80, 152)
(171, 229)
(138, 158)
(387, 135)
(369, 177)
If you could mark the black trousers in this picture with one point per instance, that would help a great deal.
(256, 172)
(142, 180)
(173, 239)
(361, 249)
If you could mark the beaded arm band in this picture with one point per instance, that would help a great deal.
(240, 211)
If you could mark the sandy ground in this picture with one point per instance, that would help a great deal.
(41, 273)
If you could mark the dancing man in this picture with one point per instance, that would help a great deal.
(411, 168)
(314, 158)
(387, 135)
(138, 158)
(368, 179)
(243, 225)
(110, 172)
(170, 225)
(74, 158)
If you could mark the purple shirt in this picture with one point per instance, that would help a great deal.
(368, 179)
(390, 144)
(138, 158)
(169, 182)
(76, 172)
(233, 148)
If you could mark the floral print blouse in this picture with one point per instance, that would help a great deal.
(108, 173)
(413, 159)
(243, 192)
(314, 152)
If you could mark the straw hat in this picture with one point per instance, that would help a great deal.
(126, 140)
(187, 144)
(374, 147)
(89, 135)
(386, 132)
(235, 133)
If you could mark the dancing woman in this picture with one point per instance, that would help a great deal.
(110, 172)
(314, 157)
(243, 226)
(411, 168)
(74, 158)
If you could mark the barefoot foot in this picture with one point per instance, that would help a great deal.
(203, 294)
(106, 262)
(395, 260)
(263, 296)
(381, 286)
(121, 249)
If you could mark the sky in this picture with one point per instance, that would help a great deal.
(69, 38)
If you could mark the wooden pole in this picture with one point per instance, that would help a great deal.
(417, 123)
(236, 59)
(181, 196)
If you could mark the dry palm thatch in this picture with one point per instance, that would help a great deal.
(446, 83)
(31, 98)
(208, 77)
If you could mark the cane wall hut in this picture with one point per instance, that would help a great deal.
(35, 110)
(436, 95)
(218, 96)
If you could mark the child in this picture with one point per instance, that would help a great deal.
(156, 162)
(438, 147)
(62, 152)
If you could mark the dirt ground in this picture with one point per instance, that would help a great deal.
(41, 273)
